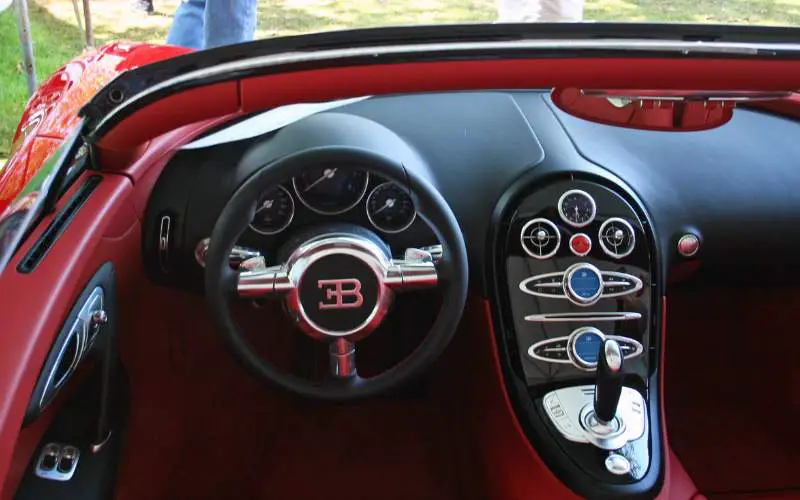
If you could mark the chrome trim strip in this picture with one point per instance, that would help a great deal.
(582, 316)
(532, 351)
(637, 284)
(682, 48)
(638, 349)
(560, 275)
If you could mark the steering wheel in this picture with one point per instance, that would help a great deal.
(338, 282)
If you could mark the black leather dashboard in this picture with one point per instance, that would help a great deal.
(503, 160)
(735, 186)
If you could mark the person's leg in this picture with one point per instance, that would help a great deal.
(561, 11)
(518, 11)
(187, 27)
(229, 21)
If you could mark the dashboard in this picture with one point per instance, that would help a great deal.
(573, 230)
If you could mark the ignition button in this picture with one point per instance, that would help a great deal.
(688, 245)
(580, 244)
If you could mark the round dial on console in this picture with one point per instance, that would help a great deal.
(617, 237)
(274, 211)
(330, 190)
(583, 284)
(389, 208)
(540, 238)
(577, 208)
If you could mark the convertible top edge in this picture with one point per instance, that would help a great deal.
(136, 88)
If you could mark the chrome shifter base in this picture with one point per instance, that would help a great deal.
(571, 411)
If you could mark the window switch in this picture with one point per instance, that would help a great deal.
(50, 457)
(67, 462)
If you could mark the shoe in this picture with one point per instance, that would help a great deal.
(144, 6)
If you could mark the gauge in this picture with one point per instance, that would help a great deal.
(330, 190)
(576, 208)
(274, 211)
(390, 209)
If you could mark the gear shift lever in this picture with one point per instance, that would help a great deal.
(608, 386)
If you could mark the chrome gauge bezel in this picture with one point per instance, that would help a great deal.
(376, 225)
(282, 228)
(530, 223)
(335, 212)
(563, 215)
(607, 250)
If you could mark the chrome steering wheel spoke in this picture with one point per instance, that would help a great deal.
(342, 354)
(256, 280)
(416, 270)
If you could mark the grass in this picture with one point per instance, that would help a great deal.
(57, 38)
(55, 43)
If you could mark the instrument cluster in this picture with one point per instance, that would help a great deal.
(330, 190)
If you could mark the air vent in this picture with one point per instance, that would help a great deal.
(540, 238)
(58, 225)
(617, 238)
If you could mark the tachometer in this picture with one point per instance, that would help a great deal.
(330, 190)
(389, 208)
(577, 208)
(274, 211)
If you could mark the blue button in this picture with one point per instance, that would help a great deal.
(587, 347)
(585, 283)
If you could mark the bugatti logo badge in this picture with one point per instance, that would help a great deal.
(341, 294)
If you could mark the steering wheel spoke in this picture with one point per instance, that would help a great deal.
(342, 354)
(416, 270)
(257, 280)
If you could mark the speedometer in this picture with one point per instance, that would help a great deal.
(274, 211)
(577, 208)
(330, 190)
(389, 208)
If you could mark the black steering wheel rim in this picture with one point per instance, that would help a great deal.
(220, 279)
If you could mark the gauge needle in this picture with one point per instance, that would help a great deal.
(266, 205)
(328, 173)
(388, 204)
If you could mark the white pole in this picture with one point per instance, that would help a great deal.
(24, 28)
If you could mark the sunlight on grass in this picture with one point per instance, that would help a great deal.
(57, 38)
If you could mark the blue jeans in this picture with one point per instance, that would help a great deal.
(203, 24)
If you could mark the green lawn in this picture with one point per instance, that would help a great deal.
(57, 39)
(55, 43)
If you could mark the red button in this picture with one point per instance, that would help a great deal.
(580, 244)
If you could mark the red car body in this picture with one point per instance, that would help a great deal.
(135, 152)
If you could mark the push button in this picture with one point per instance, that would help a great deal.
(550, 350)
(580, 244)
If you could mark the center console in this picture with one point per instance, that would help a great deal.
(576, 316)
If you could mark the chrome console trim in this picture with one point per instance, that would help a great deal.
(570, 408)
(583, 317)
(630, 348)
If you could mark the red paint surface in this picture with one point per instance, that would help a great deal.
(52, 111)
(510, 467)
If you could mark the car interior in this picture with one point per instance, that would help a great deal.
(478, 271)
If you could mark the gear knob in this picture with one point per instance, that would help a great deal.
(608, 385)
